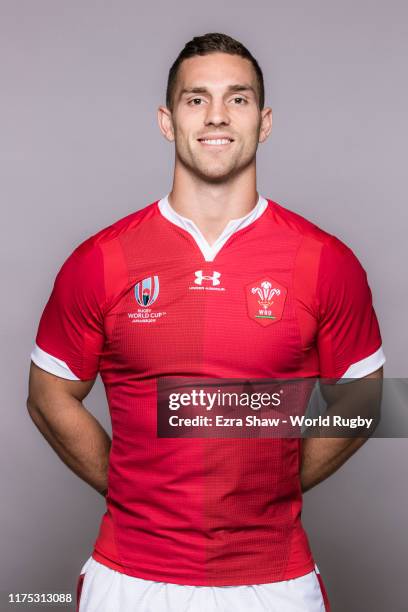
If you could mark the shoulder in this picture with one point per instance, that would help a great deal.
(116, 230)
(86, 264)
(329, 245)
(295, 223)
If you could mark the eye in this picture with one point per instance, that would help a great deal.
(195, 102)
(239, 100)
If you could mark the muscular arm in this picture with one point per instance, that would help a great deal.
(321, 457)
(55, 406)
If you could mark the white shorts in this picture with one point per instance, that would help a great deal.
(102, 589)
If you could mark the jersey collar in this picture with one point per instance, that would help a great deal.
(210, 251)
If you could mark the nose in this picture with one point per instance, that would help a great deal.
(217, 113)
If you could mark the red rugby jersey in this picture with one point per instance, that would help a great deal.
(148, 297)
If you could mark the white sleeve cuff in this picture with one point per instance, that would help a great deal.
(51, 364)
(365, 366)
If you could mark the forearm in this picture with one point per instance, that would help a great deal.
(321, 457)
(76, 436)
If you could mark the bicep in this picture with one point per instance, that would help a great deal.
(70, 336)
(44, 388)
(336, 392)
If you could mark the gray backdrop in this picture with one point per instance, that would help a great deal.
(80, 84)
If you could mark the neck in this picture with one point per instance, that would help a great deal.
(211, 206)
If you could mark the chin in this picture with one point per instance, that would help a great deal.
(223, 172)
(216, 173)
(220, 176)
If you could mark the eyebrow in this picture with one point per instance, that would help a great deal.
(231, 88)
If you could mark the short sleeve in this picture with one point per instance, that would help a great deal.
(70, 335)
(349, 340)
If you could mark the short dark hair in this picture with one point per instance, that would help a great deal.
(212, 42)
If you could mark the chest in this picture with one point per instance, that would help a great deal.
(239, 315)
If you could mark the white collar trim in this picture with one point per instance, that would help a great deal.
(210, 251)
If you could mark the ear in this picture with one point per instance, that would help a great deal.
(165, 122)
(266, 124)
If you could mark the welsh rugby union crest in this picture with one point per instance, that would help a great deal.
(265, 301)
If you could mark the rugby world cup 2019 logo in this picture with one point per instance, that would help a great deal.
(147, 291)
(265, 301)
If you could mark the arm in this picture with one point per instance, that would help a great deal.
(55, 406)
(321, 457)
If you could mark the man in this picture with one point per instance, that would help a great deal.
(201, 524)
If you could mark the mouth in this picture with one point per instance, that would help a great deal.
(215, 142)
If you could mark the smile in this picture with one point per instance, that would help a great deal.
(215, 142)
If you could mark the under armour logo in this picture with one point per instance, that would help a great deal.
(200, 278)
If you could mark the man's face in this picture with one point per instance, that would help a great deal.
(216, 121)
